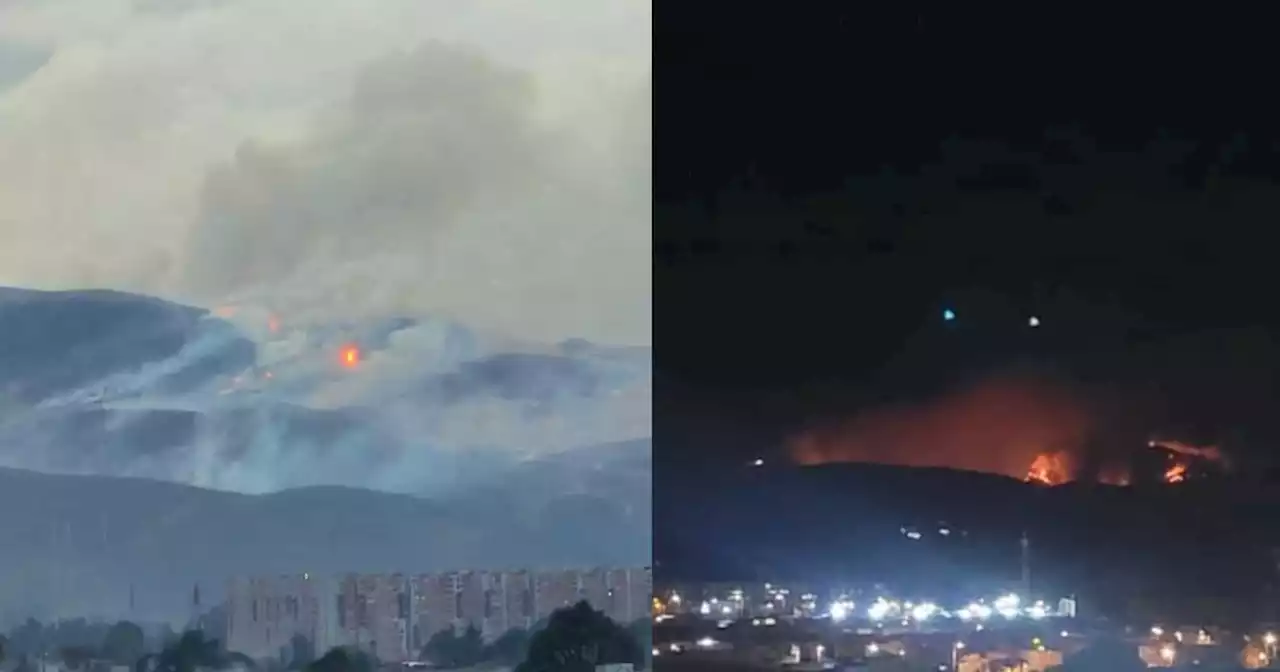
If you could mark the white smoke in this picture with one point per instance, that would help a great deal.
(335, 162)
(485, 159)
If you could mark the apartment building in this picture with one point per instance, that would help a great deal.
(265, 613)
(393, 615)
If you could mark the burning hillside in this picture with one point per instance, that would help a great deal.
(997, 426)
(1178, 462)
(1026, 429)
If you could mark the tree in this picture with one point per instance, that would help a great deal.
(75, 657)
(451, 650)
(577, 639)
(124, 643)
(4, 649)
(642, 630)
(302, 652)
(191, 652)
(341, 659)
(510, 648)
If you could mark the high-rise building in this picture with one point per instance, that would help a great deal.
(265, 613)
(393, 616)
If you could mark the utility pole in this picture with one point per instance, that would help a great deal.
(1026, 565)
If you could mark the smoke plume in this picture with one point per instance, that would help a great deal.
(998, 425)
(457, 189)
(487, 161)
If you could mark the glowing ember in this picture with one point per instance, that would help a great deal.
(350, 356)
(1176, 474)
(1049, 469)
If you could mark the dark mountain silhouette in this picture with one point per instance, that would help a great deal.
(940, 530)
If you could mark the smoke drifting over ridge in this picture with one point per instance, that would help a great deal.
(454, 189)
(999, 425)
(1031, 428)
(487, 161)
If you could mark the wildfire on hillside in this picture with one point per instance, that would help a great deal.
(1056, 468)
(1176, 473)
(1049, 469)
(1031, 429)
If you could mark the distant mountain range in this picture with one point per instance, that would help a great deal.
(75, 544)
(112, 406)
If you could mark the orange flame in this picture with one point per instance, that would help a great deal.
(1176, 474)
(350, 356)
(1049, 469)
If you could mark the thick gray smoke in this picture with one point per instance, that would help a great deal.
(486, 160)
(452, 188)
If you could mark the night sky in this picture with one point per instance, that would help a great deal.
(828, 183)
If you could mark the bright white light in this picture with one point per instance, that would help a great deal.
(964, 614)
(706, 642)
(770, 621)
(758, 463)
(656, 651)
(980, 611)
(838, 611)
(879, 609)
(959, 645)
(1269, 638)
(1037, 612)
(1007, 605)
(675, 598)
(1034, 321)
(913, 535)
(1167, 652)
(1064, 633)
(924, 611)
(1157, 631)
(726, 609)
(873, 649)
(705, 609)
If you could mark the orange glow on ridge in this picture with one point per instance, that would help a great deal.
(1049, 469)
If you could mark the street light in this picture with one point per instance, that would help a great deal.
(955, 655)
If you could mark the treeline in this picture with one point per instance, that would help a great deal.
(453, 649)
(78, 644)
(573, 638)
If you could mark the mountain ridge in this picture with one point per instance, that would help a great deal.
(152, 445)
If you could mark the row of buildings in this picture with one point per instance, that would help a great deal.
(393, 615)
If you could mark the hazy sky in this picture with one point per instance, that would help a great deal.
(336, 158)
